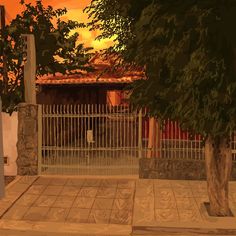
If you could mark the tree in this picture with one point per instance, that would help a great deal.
(188, 50)
(56, 49)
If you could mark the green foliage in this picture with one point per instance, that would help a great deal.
(188, 50)
(56, 48)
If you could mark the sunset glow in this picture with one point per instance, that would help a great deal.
(75, 12)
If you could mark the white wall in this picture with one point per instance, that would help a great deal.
(9, 125)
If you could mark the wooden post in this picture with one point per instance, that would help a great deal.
(2, 26)
(2, 184)
(30, 69)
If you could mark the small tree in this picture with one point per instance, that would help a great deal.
(188, 49)
(56, 49)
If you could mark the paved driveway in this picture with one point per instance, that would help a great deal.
(85, 206)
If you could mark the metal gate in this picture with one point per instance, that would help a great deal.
(107, 140)
(88, 140)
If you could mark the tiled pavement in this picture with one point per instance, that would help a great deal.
(75, 200)
(114, 204)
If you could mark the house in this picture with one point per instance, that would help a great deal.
(103, 86)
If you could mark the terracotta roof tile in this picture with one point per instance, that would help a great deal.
(74, 80)
(103, 74)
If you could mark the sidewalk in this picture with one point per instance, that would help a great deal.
(85, 206)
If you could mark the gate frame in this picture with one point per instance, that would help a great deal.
(39, 139)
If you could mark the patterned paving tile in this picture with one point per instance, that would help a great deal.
(18, 188)
(36, 189)
(83, 202)
(232, 206)
(104, 192)
(124, 193)
(88, 191)
(57, 214)
(92, 183)
(126, 184)
(121, 217)
(45, 201)
(143, 183)
(163, 215)
(99, 216)
(109, 183)
(102, 204)
(43, 181)
(144, 203)
(15, 213)
(11, 196)
(232, 185)
(232, 195)
(143, 192)
(186, 203)
(199, 192)
(182, 192)
(166, 193)
(190, 215)
(180, 184)
(52, 190)
(123, 204)
(4, 209)
(162, 183)
(27, 200)
(64, 201)
(198, 185)
(70, 191)
(36, 213)
(58, 181)
(143, 216)
(74, 182)
(161, 203)
(78, 215)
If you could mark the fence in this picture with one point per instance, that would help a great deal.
(89, 139)
(103, 139)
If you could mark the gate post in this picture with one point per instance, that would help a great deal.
(27, 150)
(39, 139)
(140, 134)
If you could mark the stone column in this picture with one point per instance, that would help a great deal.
(27, 144)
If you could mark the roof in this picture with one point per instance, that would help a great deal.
(103, 74)
(59, 80)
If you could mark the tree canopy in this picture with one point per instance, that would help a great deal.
(57, 49)
(187, 49)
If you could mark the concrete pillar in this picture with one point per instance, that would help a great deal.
(27, 145)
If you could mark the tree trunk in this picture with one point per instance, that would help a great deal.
(218, 169)
(152, 137)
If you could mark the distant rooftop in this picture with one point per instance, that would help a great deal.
(103, 74)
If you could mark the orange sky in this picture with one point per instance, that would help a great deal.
(74, 7)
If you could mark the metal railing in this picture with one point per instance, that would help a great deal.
(107, 140)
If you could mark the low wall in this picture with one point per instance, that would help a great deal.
(157, 168)
(9, 125)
